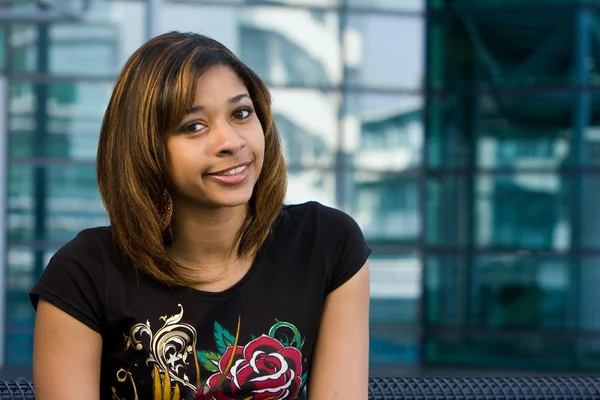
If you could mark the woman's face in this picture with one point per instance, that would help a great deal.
(216, 153)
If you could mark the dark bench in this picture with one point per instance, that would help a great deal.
(481, 388)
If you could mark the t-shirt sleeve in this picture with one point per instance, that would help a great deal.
(346, 248)
(73, 282)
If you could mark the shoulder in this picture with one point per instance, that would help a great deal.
(326, 219)
(331, 227)
(75, 278)
(90, 243)
(337, 233)
(92, 250)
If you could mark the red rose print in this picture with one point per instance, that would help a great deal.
(263, 369)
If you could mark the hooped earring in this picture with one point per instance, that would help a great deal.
(167, 212)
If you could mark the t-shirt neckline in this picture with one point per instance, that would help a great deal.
(236, 286)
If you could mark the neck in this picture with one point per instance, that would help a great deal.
(206, 237)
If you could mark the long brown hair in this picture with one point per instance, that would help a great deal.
(151, 95)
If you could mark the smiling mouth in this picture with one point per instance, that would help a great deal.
(232, 171)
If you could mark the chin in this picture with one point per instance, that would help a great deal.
(231, 201)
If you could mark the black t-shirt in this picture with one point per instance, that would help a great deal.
(251, 341)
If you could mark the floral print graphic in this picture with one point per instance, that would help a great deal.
(263, 369)
(268, 367)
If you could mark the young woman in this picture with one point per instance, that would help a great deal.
(204, 286)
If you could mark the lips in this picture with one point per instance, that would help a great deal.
(231, 176)
(231, 171)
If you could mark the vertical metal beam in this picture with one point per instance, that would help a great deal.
(40, 140)
(582, 54)
(3, 213)
(433, 73)
(471, 136)
(153, 11)
(343, 160)
(4, 174)
(581, 118)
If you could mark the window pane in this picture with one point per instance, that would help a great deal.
(68, 203)
(509, 49)
(384, 132)
(68, 127)
(283, 46)
(22, 40)
(523, 210)
(21, 206)
(503, 130)
(386, 206)
(111, 32)
(3, 40)
(504, 291)
(308, 125)
(395, 300)
(389, 348)
(395, 289)
(311, 185)
(384, 51)
(505, 350)
(21, 118)
(73, 202)
(20, 315)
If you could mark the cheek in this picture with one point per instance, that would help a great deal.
(259, 143)
(180, 159)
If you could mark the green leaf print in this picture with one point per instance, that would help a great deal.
(223, 338)
(209, 360)
(297, 339)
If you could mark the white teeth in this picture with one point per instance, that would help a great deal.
(235, 171)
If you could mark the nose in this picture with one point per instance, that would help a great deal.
(227, 140)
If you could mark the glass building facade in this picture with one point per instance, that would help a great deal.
(460, 135)
(511, 185)
(345, 79)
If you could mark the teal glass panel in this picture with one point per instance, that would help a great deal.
(395, 289)
(394, 314)
(502, 291)
(383, 132)
(499, 211)
(543, 211)
(512, 130)
(22, 41)
(20, 315)
(390, 349)
(505, 350)
(497, 50)
(68, 127)
(386, 206)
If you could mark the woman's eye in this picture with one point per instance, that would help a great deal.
(192, 127)
(242, 113)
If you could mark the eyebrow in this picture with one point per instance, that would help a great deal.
(233, 100)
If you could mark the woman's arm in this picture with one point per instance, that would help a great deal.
(66, 356)
(340, 367)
